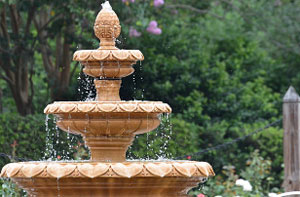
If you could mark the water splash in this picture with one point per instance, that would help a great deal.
(156, 142)
(142, 79)
(86, 88)
(134, 85)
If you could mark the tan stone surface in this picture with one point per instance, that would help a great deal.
(90, 169)
(157, 178)
(107, 107)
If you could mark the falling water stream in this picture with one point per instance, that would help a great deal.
(142, 79)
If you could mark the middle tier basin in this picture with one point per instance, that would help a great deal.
(108, 127)
(107, 118)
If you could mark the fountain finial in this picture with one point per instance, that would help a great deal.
(107, 27)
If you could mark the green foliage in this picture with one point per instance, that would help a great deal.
(22, 137)
(257, 172)
(8, 188)
(174, 137)
(214, 76)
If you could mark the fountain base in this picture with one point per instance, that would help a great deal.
(121, 187)
(169, 178)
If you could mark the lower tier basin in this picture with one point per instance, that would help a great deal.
(170, 178)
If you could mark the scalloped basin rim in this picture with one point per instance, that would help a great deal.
(107, 169)
(107, 55)
(107, 107)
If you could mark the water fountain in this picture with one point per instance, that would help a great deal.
(108, 126)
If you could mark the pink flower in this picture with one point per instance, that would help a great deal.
(200, 195)
(153, 29)
(189, 157)
(158, 3)
(134, 33)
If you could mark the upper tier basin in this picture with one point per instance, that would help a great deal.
(108, 63)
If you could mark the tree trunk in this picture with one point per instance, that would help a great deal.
(16, 56)
(58, 65)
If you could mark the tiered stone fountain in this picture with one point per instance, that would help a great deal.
(108, 126)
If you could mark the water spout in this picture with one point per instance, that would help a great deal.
(106, 6)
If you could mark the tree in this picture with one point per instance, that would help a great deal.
(30, 25)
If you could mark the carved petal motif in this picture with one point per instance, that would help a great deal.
(3, 171)
(187, 169)
(86, 107)
(205, 168)
(100, 54)
(58, 171)
(93, 171)
(160, 107)
(128, 170)
(83, 55)
(160, 169)
(67, 107)
(13, 169)
(107, 107)
(137, 54)
(53, 108)
(120, 54)
(147, 107)
(128, 107)
(46, 109)
(32, 170)
(150, 107)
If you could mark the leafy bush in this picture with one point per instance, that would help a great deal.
(257, 172)
(174, 137)
(22, 137)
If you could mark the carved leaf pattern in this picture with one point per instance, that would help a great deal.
(205, 168)
(100, 54)
(13, 169)
(93, 171)
(112, 55)
(58, 171)
(107, 107)
(187, 169)
(3, 171)
(67, 108)
(129, 170)
(149, 107)
(160, 169)
(85, 107)
(32, 170)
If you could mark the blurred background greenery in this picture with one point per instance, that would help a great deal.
(222, 65)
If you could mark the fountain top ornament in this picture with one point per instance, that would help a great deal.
(107, 29)
(108, 127)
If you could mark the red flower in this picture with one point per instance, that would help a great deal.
(14, 144)
(189, 157)
(58, 157)
(200, 195)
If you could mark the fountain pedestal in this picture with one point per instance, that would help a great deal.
(108, 126)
